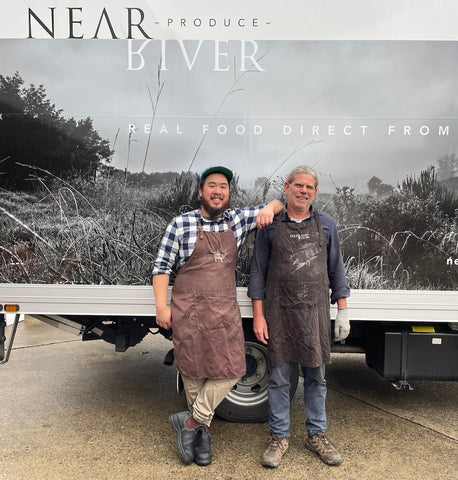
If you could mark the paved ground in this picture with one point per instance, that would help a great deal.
(74, 410)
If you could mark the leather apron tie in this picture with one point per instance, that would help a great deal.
(297, 295)
(207, 327)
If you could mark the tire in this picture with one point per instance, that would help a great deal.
(247, 402)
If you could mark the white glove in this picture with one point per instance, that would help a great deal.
(341, 325)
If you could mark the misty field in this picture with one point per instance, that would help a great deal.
(107, 231)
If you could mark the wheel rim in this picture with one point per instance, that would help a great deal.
(251, 389)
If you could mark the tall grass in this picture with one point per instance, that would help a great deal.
(101, 232)
(108, 232)
(66, 234)
(403, 240)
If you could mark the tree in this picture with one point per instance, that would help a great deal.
(373, 184)
(33, 132)
(260, 182)
(427, 187)
(447, 166)
(376, 187)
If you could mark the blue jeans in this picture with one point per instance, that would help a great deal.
(314, 399)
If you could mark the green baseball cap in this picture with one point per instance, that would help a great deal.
(223, 170)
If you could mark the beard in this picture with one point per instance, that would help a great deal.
(214, 212)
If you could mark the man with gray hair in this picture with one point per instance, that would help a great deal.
(296, 261)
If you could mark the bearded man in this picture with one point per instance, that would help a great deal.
(202, 246)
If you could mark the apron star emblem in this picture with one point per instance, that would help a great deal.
(219, 255)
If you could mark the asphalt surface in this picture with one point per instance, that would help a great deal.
(78, 410)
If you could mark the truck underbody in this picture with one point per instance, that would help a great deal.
(404, 335)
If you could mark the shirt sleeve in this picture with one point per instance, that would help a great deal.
(336, 269)
(168, 250)
(259, 263)
(244, 222)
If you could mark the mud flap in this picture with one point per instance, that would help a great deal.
(5, 357)
(2, 336)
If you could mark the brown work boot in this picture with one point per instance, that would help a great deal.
(321, 445)
(278, 446)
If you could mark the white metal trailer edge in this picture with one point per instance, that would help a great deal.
(131, 300)
(405, 335)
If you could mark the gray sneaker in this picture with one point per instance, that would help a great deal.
(321, 445)
(278, 446)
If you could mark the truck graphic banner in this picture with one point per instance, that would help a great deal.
(109, 112)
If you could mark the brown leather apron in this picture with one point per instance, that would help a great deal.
(207, 327)
(297, 295)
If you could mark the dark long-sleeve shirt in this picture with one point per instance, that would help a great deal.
(263, 248)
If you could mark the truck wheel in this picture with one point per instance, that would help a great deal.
(247, 402)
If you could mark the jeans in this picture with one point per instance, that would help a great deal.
(314, 399)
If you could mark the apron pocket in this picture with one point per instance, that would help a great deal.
(212, 312)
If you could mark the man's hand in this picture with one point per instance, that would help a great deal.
(266, 215)
(260, 328)
(163, 312)
(164, 317)
(341, 325)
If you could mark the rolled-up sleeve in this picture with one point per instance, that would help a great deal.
(243, 222)
(168, 251)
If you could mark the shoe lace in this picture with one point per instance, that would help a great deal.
(323, 443)
(276, 443)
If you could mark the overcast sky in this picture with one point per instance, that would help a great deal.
(341, 106)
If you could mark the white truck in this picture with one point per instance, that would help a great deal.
(405, 335)
(125, 96)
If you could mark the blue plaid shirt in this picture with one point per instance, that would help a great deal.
(180, 236)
